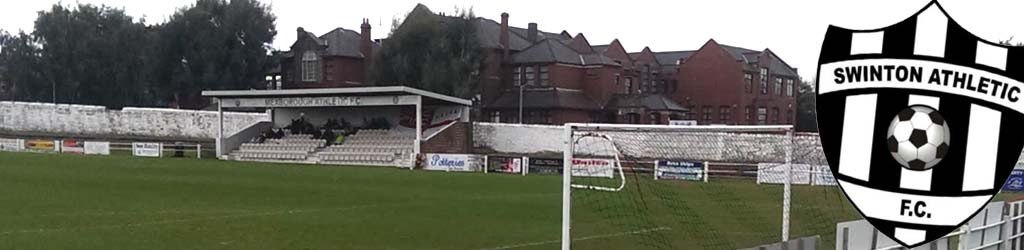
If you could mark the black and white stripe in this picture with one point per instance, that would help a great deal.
(855, 141)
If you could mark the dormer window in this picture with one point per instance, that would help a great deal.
(310, 66)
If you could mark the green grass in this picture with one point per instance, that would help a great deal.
(50, 201)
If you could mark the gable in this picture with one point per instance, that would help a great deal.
(580, 44)
(713, 54)
(617, 52)
(646, 57)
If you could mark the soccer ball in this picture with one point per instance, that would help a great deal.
(918, 137)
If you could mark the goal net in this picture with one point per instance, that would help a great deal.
(695, 187)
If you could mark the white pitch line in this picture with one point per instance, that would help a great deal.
(592, 237)
(166, 222)
(121, 213)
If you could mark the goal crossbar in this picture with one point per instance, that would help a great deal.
(697, 128)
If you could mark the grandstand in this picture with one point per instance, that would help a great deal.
(371, 126)
(372, 147)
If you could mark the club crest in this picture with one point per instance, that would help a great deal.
(919, 121)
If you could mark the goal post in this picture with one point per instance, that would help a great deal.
(634, 191)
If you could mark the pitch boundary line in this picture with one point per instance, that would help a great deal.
(166, 222)
(592, 237)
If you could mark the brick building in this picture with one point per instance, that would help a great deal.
(338, 58)
(723, 84)
(554, 78)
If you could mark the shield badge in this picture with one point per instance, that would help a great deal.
(919, 121)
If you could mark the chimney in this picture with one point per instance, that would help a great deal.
(503, 37)
(365, 44)
(531, 33)
(299, 32)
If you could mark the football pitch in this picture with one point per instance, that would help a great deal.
(50, 201)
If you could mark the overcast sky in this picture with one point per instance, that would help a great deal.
(792, 29)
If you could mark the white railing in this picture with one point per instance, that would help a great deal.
(1000, 225)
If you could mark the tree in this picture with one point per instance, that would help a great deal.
(19, 66)
(213, 44)
(91, 55)
(435, 53)
(806, 108)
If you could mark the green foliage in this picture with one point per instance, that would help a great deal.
(99, 55)
(213, 45)
(436, 53)
(806, 119)
(92, 55)
(19, 60)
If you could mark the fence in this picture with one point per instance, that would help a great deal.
(142, 149)
(803, 174)
(998, 226)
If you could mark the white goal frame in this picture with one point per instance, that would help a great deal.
(570, 129)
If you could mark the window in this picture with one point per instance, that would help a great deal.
(496, 116)
(749, 80)
(778, 86)
(530, 76)
(707, 114)
(654, 118)
(789, 116)
(762, 115)
(537, 117)
(629, 85)
(724, 114)
(789, 87)
(775, 115)
(617, 76)
(310, 66)
(517, 76)
(749, 115)
(544, 76)
(329, 73)
(764, 81)
(633, 118)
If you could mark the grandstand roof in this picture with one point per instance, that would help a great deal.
(358, 91)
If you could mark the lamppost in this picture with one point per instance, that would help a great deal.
(520, 103)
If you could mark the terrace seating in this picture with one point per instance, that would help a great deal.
(377, 147)
(359, 158)
(289, 148)
(371, 147)
(271, 155)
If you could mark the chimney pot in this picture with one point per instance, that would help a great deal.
(365, 43)
(504, 36)
(531, 33)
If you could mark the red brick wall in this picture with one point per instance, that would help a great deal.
(343, 72)
(344, 69)
(600, 84)
(457, 139)
(569, 116)
(711, 77)
(783, 102)
(565, 76)
(617, 52)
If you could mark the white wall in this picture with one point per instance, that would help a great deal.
(520, 139)
(85, 120)
(517, 138)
